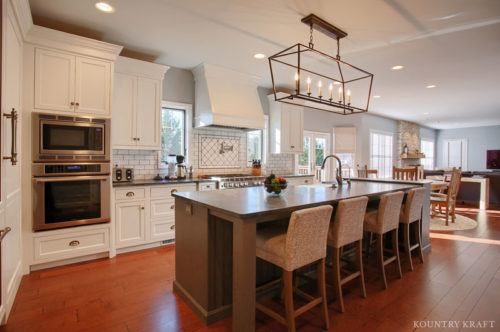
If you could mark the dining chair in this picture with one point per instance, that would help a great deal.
(408, 174)
(447, 201)
(362, 171)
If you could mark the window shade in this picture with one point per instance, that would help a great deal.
(345, 139)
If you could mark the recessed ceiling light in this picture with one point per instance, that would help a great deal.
(398, 67)
(376, 96)
(432, 86)
(427, 113)
(259, 56)
(104, 7)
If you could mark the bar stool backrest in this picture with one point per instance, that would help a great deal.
(347, 226)
(413, 206)
(388, 211)
(306, 236)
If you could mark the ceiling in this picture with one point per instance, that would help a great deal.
(453, 44)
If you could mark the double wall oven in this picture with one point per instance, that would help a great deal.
(71, 171)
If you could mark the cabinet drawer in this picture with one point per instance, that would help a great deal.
(204, 186)
(162, 229)
(130, 193)
(168, 191)
(71, 244)
(162, 207)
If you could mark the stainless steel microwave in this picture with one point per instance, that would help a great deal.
(70, 138)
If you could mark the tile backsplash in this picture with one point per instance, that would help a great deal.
(205, 157)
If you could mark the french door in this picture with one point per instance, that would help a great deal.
(316, 148)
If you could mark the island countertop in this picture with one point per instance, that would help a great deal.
(249, 202)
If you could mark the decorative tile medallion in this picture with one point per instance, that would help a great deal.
(219, 152)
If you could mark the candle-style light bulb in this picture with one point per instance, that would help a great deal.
(308, 85)
(348, 97)
(319, 88)
(340, 94)
(297, 82)
(330, 92)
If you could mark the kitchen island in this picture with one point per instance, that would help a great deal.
(215, 265)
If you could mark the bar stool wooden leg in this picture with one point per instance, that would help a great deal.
(337, 281)
(380, 257)
(359, 256)
(288, 290)
(406, 243)
(417, 236)
(396, 250)
(322, 291)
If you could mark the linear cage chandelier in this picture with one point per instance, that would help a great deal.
(304, 76)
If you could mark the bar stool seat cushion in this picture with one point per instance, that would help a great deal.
(270, 244)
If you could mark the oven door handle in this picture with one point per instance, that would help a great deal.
(69, 178)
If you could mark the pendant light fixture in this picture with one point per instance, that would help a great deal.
(302, 75)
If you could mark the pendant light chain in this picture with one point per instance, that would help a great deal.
(338, 48)
(311, 44)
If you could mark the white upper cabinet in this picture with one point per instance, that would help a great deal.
(137, 104)
(69, 83)
(286, 126)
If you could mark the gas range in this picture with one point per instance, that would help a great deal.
(230, 181)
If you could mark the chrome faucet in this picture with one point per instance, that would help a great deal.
(339, 169)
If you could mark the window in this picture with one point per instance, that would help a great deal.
(455, 153)
(381, 153)
(173, 132)
(316, 148)
(427, 148)
(254, 145)
(257, 144)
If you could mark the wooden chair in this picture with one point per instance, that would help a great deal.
(347, 228)
(382, 221)
(420, 172)
(302, 244)
(411, 215)
(372, 172)
(448, 200)
(408, 174)
(362, 171)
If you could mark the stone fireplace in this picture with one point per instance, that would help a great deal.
(408, 134)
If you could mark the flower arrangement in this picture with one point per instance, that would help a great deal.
(275, 185)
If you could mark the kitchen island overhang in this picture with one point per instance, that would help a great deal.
(215, 241)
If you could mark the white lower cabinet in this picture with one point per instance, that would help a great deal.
(131, 223)
(300, 180)
(146, 214)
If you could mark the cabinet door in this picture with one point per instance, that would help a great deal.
(296, 129)
(130, 223)
(285, 145)
(124, 103)
(54, 80)
(92, 86)
(148, 113)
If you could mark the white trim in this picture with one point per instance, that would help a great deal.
(140, 68)
(433, 141)
(22, 13)
(393, 155)
(328, 150)
(188, 108)
(463, 152)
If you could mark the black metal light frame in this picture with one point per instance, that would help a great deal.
(291, 98)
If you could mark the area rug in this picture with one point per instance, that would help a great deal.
(461, 223)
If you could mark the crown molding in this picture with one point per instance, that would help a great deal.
(46, 37)
(141, 68)
(22, 15)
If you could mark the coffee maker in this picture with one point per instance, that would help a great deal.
(171, 164)
(181, 168)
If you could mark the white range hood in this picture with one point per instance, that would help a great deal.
(225, 98)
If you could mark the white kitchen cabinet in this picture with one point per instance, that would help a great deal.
(286, 127)
(137, 104)
(130, 223)
(299, 180)
(65, 82)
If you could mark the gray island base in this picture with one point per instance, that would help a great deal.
(216, 270)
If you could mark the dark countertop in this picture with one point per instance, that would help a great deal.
(248, 202)
(390, 180)
(156, 182)
(294, 175)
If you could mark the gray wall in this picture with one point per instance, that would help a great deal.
(178, 86)
(479, 139)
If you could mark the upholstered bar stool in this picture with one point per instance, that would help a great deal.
(302, 244)
(347, 228)
(411, 214)
(382, 221)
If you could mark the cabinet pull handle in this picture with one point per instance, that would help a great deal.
(74, 243)
(13, 149)
(77, 104)
(138, 138)
(172, 206)
(306, 181)
(173, 191)
(172, 227)
(292, 146)
(4, 232)
(72, 103)
(130, 194)
(142, 207)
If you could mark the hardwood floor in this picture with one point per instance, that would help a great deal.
(460, 280)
